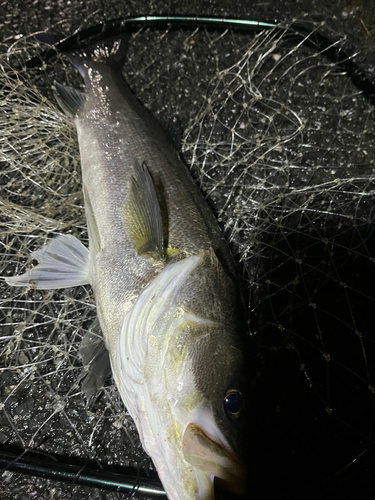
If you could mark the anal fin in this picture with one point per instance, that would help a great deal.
(172, 127)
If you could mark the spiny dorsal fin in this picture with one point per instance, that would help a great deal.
(70, 100)
(142, 214)
(95, 358)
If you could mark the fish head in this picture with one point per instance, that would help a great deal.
(183, 388)
(211, 439)
(197, 409)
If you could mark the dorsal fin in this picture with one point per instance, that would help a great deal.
(92, 227)
(70, 100)
(63, 262)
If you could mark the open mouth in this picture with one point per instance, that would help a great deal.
(213, 458)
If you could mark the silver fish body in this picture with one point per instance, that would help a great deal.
(163, 279)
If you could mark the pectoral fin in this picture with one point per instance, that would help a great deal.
(142, 214)
(64, 262)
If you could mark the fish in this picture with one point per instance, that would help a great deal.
(164, 280)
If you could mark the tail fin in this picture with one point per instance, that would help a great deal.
(108, 49)
(50, 37)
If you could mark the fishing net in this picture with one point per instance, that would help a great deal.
(282, 145)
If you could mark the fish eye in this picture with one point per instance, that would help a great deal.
(233, 403)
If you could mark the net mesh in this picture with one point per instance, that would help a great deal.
(282, 146)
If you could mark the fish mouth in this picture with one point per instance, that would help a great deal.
(215, 459)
